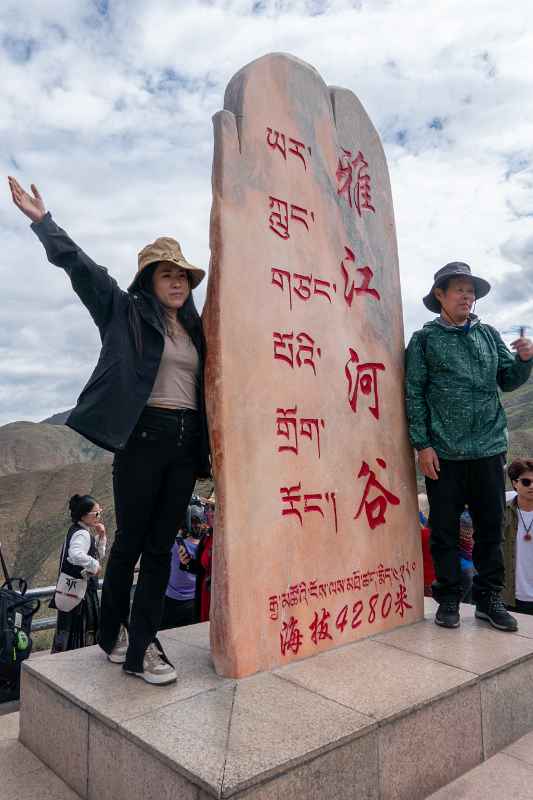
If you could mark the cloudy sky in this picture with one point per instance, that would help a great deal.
(106, 105)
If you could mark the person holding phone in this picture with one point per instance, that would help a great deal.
(145, 403)
(455, 366)
(181, 590)
(200, 565)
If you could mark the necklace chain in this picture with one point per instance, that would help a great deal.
(527, 528)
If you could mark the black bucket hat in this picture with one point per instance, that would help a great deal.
(455, 269)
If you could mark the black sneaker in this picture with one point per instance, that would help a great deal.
(492, 609)
(448, 614)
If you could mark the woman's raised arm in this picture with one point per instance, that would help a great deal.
(97, 290)
(32, 207)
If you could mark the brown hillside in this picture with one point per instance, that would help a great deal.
(39, 446)
(34, 515)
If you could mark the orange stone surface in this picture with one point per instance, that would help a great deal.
(317, 540)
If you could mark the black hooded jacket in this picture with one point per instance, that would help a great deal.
(115, 395)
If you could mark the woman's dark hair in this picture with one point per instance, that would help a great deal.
(187, 315)
(518, 467)
(79, 505)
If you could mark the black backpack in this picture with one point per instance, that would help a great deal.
(16, 614)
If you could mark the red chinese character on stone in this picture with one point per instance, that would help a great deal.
(349, 271)
(375, 509)
(363, 378)
(291, 495)
(279, 219)
(401, 603)
(353, 181)
(290, 637)
(362, 190)
(319, 627)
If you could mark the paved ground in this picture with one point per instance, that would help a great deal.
(506, 776)
(24, 777)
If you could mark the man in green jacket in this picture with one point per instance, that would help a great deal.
(455, 366)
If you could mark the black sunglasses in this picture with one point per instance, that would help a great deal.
(525, 481)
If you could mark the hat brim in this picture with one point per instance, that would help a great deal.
(197, 274)
(481, 288)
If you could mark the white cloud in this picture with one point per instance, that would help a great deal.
(110, 114)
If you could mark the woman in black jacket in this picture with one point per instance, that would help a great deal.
(144, 402)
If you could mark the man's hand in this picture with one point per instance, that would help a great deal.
(524, 348)
(428, 461)
(32, 207)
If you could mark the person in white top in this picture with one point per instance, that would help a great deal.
(518, 538)
(81, 557)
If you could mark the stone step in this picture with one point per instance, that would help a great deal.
(508, 774)
(398, 715)
(23, 776)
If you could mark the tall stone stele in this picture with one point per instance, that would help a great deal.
(317, 539)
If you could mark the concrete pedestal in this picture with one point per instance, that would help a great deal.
(395, 716)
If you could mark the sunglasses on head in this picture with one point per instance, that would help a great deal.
(525, 481)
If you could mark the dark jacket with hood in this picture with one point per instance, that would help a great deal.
(452, 379)
(114, 397)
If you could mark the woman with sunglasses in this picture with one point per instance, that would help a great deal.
(81, 557)
(145, 403)
(518, 539)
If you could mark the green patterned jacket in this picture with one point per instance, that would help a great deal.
(452, 380)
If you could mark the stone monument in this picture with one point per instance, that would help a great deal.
(317, 539)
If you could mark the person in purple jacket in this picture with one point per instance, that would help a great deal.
(179, 597)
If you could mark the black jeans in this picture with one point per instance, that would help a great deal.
(480, 483)
(178, 613)
(153, 480)
(522, 606)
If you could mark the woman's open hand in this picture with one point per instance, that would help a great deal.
(32, 207)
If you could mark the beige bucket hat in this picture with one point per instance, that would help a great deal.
(166, 249)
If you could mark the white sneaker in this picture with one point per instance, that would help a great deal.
(156, 667)
(118, 653)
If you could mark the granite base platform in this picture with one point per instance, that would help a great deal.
(395, 716)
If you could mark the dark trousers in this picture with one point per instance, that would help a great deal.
(153, 480)
(522, 606)
(177, 613)
(480, 483)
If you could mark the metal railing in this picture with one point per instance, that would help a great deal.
(45, 593)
